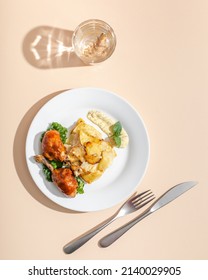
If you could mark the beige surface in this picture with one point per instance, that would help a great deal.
(161, 67)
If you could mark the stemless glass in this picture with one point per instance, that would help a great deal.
(93, 41)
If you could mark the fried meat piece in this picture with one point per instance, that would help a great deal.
(63, 178)
(52, 146)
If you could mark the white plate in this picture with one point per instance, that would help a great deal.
(122, 177)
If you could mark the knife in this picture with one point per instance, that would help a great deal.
(167, 197)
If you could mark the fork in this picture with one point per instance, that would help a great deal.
(133, 204)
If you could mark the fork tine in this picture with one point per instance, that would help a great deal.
(143, 204)
(142, 197)
(139, 195)
(136, 203)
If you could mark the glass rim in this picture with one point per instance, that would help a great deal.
(94, 20)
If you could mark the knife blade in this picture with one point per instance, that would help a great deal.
(164, 199)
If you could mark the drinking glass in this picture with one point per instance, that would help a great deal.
(93, 41)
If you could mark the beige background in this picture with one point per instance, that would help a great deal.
(161, 67)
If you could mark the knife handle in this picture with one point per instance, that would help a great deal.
(116, 234)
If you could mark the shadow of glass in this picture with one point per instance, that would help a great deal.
(47, 47)
(20, 158)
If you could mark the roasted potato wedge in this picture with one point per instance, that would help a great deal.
(107, 158)
(92, 158)
(88, 129)
(91, 177)
(93, 152)
(84, 137)
(78, 152)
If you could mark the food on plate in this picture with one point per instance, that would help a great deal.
(52, 146)
(72, 158)
(63, 178)
(63, 131)
(112, 128)
(88, 153)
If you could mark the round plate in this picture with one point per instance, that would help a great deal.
(121, 179)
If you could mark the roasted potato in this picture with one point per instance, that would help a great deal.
(88, 129)
(107, 158)
(84, 137)
(91, 177)
(89, 154)
(93, 152)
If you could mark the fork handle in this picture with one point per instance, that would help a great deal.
(113, 236)
(79, 241)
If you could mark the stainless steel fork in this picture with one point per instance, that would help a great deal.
(133, 204)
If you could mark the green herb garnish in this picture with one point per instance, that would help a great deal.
(116, 129)
(47, 173)
(81, 184)
(56, 164)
